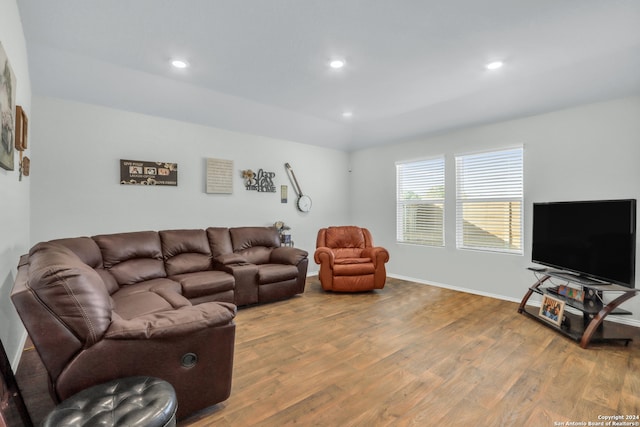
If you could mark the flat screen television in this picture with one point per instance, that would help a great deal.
(593, 239)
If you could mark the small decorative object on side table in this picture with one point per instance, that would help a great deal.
(283, 231)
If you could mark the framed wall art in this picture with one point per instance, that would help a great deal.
(137, 172)
(219, 176)
(7, 111)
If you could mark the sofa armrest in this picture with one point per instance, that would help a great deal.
(231, 258)
(287, 255)
(324, 255)
(378, 255)
(172, 323)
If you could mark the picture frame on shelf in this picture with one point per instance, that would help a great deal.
(552, 310)
(576, 294)
(571, 292)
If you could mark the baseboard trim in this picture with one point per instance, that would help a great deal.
(618, 319)
(16, 357)
(453, 288)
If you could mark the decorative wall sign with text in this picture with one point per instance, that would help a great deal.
(135, 172)
(261, 181)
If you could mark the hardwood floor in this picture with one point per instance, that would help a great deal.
(414, 355)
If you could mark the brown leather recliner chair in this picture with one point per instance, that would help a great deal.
(348, 260)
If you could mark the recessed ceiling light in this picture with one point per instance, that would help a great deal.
(494, 65)
(179, 63)
(337, 63)
(347, 114)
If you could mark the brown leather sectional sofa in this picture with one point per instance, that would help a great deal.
(150, 303)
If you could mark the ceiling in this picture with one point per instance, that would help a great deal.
(413, 67)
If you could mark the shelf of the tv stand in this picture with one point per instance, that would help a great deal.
(587, 283)
(576, 327)
(590, 326)
(589, 307)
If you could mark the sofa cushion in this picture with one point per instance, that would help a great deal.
(247, 237)
(140, 304)
(345, 261)
(151, 296)
(219, 241)
(287, 255)
(137, 270)
(89, 252)
(271, 273)
(352, 269)
(174, 323)
(256, 255)
(108, 279)
(85, 248)
(348, 253)
(153, 285)
(70, 289)
(185, 251)
(187, 263)
(204, 283)
(227, 259)
(132, 257)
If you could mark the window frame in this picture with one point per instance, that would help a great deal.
(435, 166)
(478, 177)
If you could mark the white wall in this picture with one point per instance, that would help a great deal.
(76, 189)
(590, 152)
(14, 195)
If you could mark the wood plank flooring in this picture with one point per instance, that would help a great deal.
(412, 355)
(416, 355)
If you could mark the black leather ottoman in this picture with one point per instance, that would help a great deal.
(131, 401)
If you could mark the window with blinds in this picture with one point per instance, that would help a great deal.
(489, 200)
(420, 202)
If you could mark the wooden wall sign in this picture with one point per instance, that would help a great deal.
(21, 129)
(136, 172)
(25, 166)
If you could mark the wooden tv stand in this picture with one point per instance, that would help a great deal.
(586, 328)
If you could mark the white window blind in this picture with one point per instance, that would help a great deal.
(420, 202)
(489, 199)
